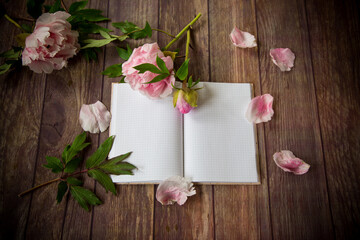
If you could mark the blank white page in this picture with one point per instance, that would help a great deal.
(219, 143)
(151, 129)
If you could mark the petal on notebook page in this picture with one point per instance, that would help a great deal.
(175, 189)
(94, 117)
(242, 39)
(287, 161)
(283, 58)
(260, 109)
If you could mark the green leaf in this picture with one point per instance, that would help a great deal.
(190, 81)
(76, 6)
(87, 27)
(75, 148)
(100, 154)
(74, 181)
(84, 197)
(27, 28)
(54, 164)
(158, 78)
(92, 15)
(62, 188)
(56, 7)
(113, 71)
(148, 29)
(147, 67)
(182, 72)
(4, 68)
(197, 81)
(122, 37)
(122, 80)
(124, 53)
(103, 179)
(104, 34)
(117, 159)
(72, 165)
(125, 27)
(34, 8)
(11, 54)
(91, 43)
(161, 65)
(119, 169)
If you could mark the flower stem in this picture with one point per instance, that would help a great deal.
(39, 186)
(13, 21)
(182, 31)
(159, 30)
(187, 44)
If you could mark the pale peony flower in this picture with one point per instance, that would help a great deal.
(283, 58)
(147, 54)
(51, 44)
(287, 161)
(260, 109)
(185, 101)
(242, 39)
(94, 117)
(174, 189)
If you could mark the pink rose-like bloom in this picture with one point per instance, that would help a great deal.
(287, 161)
(242, 39)
(185, 101)
(283, 58)
(51, 44)
(147, 54)
(260, 109)
(174, 189)
(94, 117)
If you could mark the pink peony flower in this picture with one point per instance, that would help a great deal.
(185, 100)
(283, 58)
(94, 117)
(287, 161)
(147, 54)
(242, 39)
(260, 109)
(174, 189)
(51, 44)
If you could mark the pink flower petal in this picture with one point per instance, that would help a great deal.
(287, 161)
(283, 58)
(174, 189)
(94, 117)
(242, 39)
(260, 109)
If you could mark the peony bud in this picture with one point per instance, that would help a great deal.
(185, 100)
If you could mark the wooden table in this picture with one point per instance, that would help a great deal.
(317, 110)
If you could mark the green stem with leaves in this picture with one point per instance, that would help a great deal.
(182, 32)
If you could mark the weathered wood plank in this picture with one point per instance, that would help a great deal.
(21, 102)
(334, 40)
(241, 212)
(194, 220)
(299, 204)
(129, 215)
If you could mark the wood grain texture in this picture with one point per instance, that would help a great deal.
(299, 204)
(194, 220)
(21, 101)
(334, 34)
(241, 212)
(129, 215)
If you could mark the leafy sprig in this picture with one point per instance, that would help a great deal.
(97, 166)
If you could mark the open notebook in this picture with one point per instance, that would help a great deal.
(213, 144)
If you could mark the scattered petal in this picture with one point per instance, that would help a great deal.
(242, 39)
(287, 161)
(260, 109)
(94, 117)
(174, 189)
(283, 58)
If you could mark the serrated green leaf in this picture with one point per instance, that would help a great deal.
(91, 43)
(74, 181)
(125, 27)
(113, 71)
(34, 8)
(158, 78)
(161, 64)
(118, 159)
(182, 72)
(100, 154)
(72, 165)
(148, 67)
(103, 179)
(4, 68)
(84, 197)
(56, 7)
(54, 164)
(62, 189)
(124, 53)
(88, 27)
(190, 81)
(76, 6)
